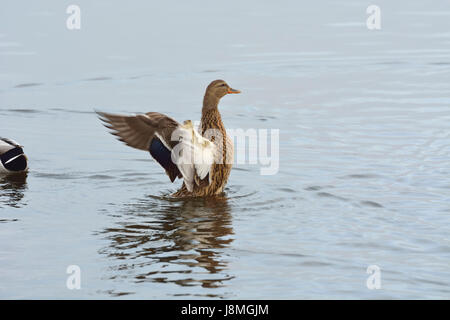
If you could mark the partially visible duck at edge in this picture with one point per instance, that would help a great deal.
(174, 145)
(12, 158)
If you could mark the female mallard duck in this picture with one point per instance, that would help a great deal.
(202, 159)
(12, 158)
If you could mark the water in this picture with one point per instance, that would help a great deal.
(364, 150)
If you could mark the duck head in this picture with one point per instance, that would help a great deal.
(220, 88)
(215, 91)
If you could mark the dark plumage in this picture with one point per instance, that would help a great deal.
(12, 158)
(163, 155)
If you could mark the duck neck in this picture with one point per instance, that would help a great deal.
(211, 118)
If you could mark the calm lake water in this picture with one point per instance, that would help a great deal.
(364, 172)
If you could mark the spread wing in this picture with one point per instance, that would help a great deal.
(137, 131)
(178, 148)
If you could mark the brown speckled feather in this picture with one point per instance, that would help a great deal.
(145, 130)
(211, 119)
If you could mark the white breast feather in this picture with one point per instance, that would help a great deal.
(194, 155)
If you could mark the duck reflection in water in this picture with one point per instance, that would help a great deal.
(171, 240)
(12, 188)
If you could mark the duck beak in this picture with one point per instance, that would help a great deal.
(231, 90)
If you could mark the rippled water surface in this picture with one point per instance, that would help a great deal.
(363, 179)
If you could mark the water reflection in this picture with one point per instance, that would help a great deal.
(171, 241)
(12, 188)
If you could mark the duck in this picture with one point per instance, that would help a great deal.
(202, 158)
(12, 157)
